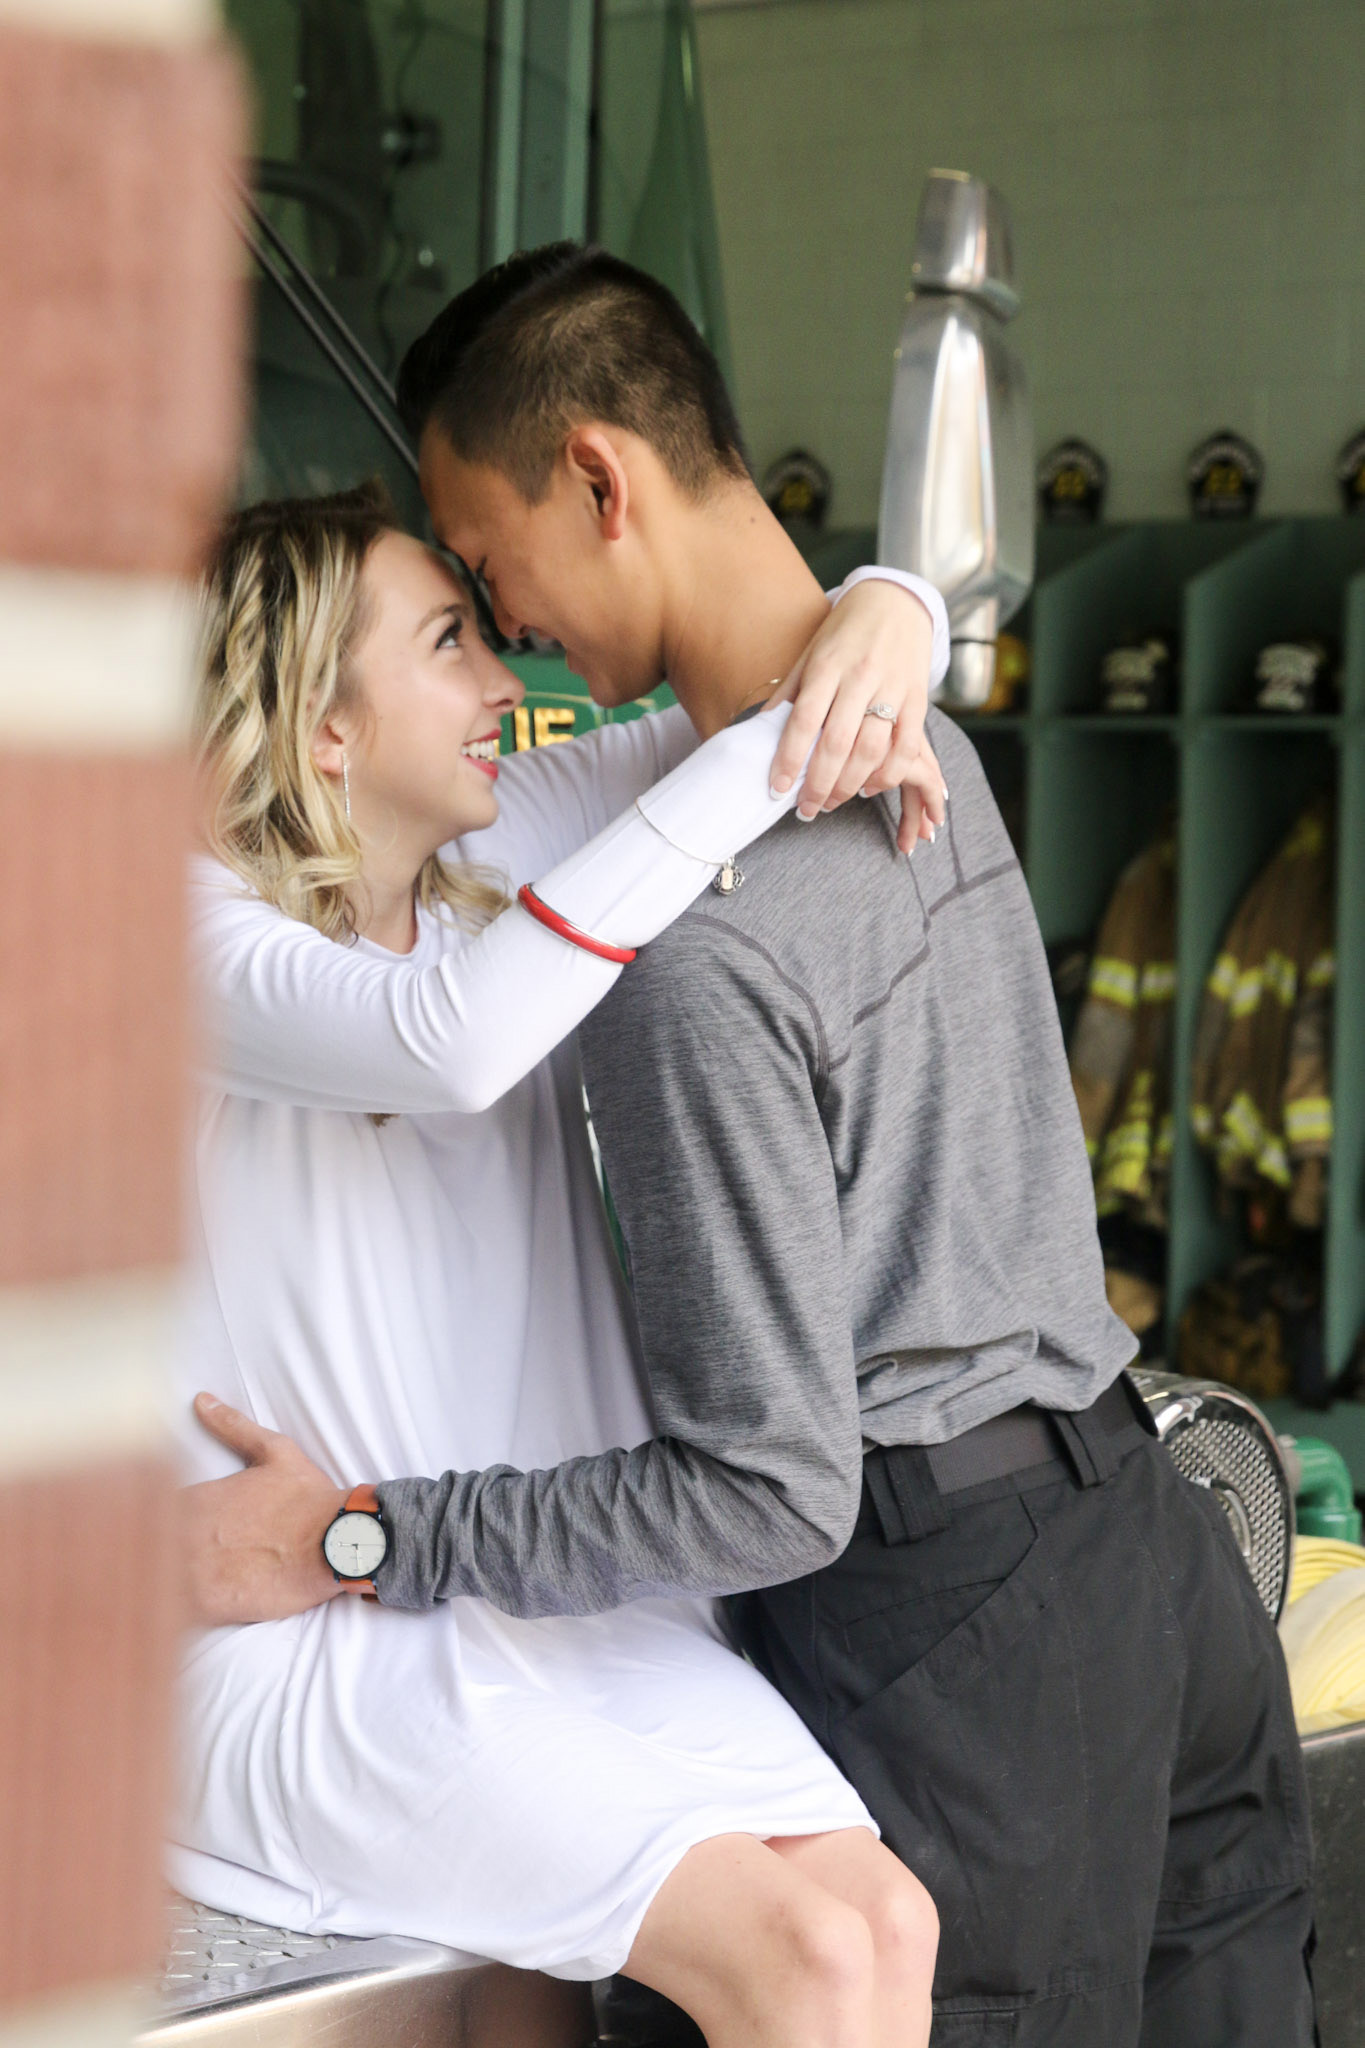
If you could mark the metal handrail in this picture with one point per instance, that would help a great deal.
(316, 314)
(319, 193)
(311, 289)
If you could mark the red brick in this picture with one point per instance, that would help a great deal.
(120, 300)
(87, 1619)
(92, 1013)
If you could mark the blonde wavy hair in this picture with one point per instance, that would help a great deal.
(284, 610)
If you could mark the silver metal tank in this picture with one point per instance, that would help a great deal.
(957, 486)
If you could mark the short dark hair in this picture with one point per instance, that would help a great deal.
(558, 336)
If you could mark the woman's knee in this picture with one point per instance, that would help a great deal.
(903, 1920)
(828, 1951)
(756, 1950)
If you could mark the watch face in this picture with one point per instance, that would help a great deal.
(355, 1546)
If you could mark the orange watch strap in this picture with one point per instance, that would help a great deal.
(361, 1500)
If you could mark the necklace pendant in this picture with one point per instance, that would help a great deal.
(730, 878)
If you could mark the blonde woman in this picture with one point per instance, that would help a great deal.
(403, 1265)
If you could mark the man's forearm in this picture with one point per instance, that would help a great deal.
(756, 1474)
(594, 1533)
(664, 1519)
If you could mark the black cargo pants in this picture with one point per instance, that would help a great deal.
(1064, 1703)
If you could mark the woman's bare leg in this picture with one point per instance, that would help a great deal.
(855, 1867)
(760, 1953)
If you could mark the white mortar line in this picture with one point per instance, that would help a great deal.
(84, 1372)
(93, 663)
(100, 2016)
(116, 21)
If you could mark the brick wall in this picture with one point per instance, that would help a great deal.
(120, 340)
(1185, 177)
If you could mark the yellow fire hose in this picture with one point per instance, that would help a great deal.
(1323, 1632)
(1321, 1557)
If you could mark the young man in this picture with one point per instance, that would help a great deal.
(835, 1115)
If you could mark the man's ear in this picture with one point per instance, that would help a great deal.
(594, 461)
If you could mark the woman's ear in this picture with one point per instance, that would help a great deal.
(594, 461)
(330, 742)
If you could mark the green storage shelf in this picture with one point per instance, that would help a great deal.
(1120, 722)
(1269, 721)
(1096, 786)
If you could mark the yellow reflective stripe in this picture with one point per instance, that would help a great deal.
(1244, 1136)
(1243, 1130)
(1246, 995)
(1273, 1161)
(1281, 977)
(1201, 1116)
(1223, 979)
(1323, 971)
(1092, 1146)
(1309, 1120)
(1129, 1141)
(1128, 1147)
(1139, 1094)
(1158, 981)
(1307, 837)
(1124, 1178)
(1115, 981)
(1165, 1139)
(1227, 1157)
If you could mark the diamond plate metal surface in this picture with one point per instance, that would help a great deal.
(233, 1983)
(1242, 1473)
(1220, 1440)
(211, 1955)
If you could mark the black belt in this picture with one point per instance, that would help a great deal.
(1021, 1438)
(904, 1482)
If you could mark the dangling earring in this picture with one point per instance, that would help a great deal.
(346, 787)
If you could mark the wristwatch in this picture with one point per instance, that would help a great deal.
(356, 1542)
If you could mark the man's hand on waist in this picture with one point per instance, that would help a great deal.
(252, 1543)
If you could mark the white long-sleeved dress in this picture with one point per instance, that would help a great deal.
(438, 1289)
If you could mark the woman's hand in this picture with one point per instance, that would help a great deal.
(875, 648)
(252, 1544)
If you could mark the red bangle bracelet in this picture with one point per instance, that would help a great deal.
(553, 922)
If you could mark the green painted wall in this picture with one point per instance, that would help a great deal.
(1187, 178)
(654, 200)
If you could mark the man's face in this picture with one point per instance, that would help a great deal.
(550, 568)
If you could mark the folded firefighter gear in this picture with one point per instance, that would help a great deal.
(1140, 676)
(1261, 1094)
(1293, 677)
(1258, 1327)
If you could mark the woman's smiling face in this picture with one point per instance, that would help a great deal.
(432, 697)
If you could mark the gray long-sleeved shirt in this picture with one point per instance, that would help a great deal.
(836, 1119)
